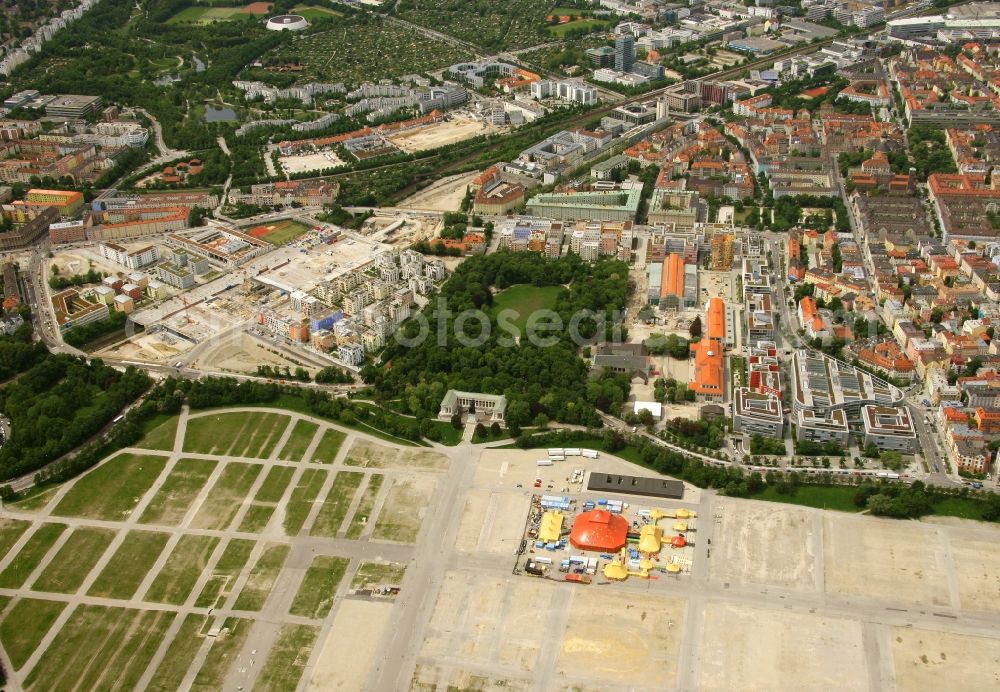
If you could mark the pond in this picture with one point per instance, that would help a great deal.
(217, 114)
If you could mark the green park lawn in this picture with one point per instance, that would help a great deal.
(560, 30)
(235, 434)
(112, 490)
(181, 571)
(30, 556)
(262, 578)
(338, 500)
(525, 299)
(160, 437)
(100, 648)
(226, 496)
(182, 650)
(288, 658)
(225, 573)
(329, 445)
(362, 516)
(267, 498)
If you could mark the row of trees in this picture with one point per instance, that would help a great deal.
(83, 334)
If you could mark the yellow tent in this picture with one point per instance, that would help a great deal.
(683, 513)
(551, 527)
(680, 526)
(650, 538)
(615, 570)
(673, 569)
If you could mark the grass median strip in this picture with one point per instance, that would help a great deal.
(226, 571)
(69, 567)
(181, 570)
(262, 578)
(315, 596)
(128, 566)
(288, 658)
(303, 496)
(331, 514)
(178, 491)
(302, 434)
(29, 557)
(25, 626)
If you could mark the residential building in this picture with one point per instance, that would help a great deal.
(131, 259)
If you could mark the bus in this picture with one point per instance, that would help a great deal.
(118, 419)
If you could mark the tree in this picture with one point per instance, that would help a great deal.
(456, 420)
(892, 460)
(695, 329)
(880, 504)
(480, 431)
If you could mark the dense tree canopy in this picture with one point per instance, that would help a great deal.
(58, 404)
(549, 379)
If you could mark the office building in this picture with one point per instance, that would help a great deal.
(624, 53)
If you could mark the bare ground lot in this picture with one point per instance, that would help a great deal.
(404, 509)
(492, 522)
(481, 619)
(313, 161)
(763, 543)
(370, 455)
(641, 640)
(929, 660)
(241, 354)
(441, 134)
(444, 195)
(747, 648)
(342, 667)
(977, 563)
(884, 558)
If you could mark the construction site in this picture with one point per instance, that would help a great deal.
(243, 300)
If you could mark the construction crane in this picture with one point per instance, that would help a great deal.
(187, 317)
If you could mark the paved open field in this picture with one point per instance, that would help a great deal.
(244, 549)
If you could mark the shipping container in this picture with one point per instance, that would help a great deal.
(589, 453)
(543, 560)
(556, 451)
(578, 578)
(572, 452)
(557, 457)
(544, 462)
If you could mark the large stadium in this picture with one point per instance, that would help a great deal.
(287, 22)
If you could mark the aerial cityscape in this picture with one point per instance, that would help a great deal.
(437, 346)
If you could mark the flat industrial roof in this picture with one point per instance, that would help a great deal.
(635, 485)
